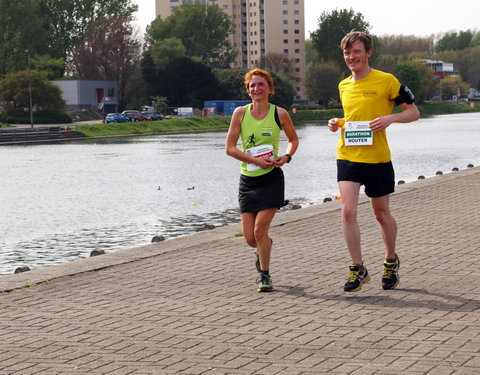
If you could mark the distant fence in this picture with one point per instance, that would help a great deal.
(37, 134)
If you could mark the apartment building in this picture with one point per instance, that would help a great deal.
(260, 27)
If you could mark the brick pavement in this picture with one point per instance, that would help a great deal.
(189, 305)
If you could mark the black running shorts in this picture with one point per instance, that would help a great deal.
(378, 178)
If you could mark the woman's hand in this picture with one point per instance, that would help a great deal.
(281, 160)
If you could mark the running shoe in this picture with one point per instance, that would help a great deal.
(356, 278)
(265, 283)
(390, 278)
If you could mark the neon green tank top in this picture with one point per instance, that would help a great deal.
(260, 138)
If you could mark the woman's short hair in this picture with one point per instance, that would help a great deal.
(261, 73)
(353, 36)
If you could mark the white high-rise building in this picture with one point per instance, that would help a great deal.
(260, 27)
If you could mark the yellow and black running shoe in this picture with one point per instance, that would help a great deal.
(265, 283)
(390, 278)
(356, 278)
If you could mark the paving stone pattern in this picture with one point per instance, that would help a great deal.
(189, 305)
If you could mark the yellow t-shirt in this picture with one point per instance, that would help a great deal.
(365, 100)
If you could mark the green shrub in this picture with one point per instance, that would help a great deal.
(47, 116)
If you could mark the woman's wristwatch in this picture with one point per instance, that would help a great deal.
(289, 157)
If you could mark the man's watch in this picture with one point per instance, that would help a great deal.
(289, 157)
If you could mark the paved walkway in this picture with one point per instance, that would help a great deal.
(189, 305)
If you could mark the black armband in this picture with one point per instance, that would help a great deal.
(404, 96)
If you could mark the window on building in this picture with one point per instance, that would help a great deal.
(296, 12)
(111, 92)
(285, 12)
(285, 51)
(297, 60)
(285, 22)
(296, 2)
(285, 2)
(297, 31)
(297, 41)
(285, 31)
(296, 22)
(225, 7)
(285, 41)
(297, 50)
(172, 9)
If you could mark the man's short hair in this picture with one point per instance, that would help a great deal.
(353, 36)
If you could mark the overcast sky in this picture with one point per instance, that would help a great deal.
(407, 17)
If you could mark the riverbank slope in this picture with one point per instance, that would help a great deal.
(222, 122)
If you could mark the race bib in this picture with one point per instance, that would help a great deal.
(263, 151)
(358, 133)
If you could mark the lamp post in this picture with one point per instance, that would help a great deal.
(30, 87)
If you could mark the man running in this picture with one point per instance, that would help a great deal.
(363, 158)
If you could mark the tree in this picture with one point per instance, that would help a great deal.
(466, 63)
(160, 103)
(110, 51)
(321, 82)
(418, 77)
(165, 50)
(451, 84)
(66, 21)
(185, 82)
(49, 27)
(14, 90)
(280, 63)
(454, 41)
(332, 27)
(310, 53)
(232, 84)
(20, 30)
(284, 91)
(53, 68)
(398, 45)
(203, 30)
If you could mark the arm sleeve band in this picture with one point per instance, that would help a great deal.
(404, 96)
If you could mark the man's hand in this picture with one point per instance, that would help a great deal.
(380, 123)
(335, 123)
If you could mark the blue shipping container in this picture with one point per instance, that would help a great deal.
(224, 107)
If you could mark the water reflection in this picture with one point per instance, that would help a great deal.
(61, 201)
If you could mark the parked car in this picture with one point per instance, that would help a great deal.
(116, 117)
(143, 117)
(132, 114)
(153, 116)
